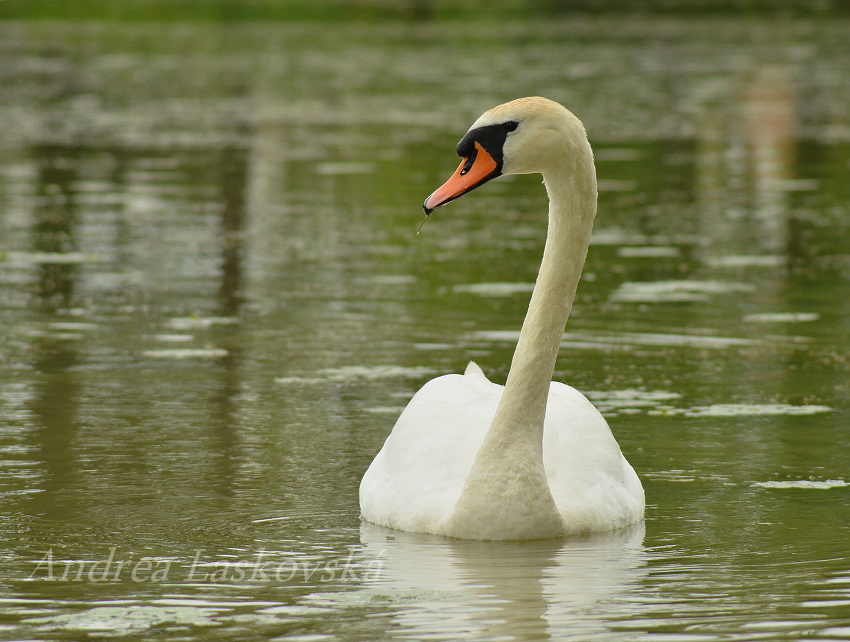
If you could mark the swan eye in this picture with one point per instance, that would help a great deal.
(510, 126)
(470, 161)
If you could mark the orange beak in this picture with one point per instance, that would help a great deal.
(472, 172)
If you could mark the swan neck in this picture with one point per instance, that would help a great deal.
(509, 463)
(572, 207)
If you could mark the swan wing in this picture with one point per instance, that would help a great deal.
(415, 480)
(594, 487)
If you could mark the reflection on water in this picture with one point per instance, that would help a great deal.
(530, 590)
(214, 305)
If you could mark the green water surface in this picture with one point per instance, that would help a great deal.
(214, 304)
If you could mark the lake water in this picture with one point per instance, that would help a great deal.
(214, 304)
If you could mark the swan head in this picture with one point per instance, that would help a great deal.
(524, 136)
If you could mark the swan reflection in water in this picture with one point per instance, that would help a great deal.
(541, 589)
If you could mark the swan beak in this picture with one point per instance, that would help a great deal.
(472, 172)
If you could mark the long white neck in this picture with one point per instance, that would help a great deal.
(572, 208)
(507, 484)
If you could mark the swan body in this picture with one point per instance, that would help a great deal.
(532, 459)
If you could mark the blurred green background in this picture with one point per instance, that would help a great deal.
(249, 10)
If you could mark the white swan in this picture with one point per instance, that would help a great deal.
(469, 458)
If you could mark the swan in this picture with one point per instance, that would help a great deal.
(532, 459)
